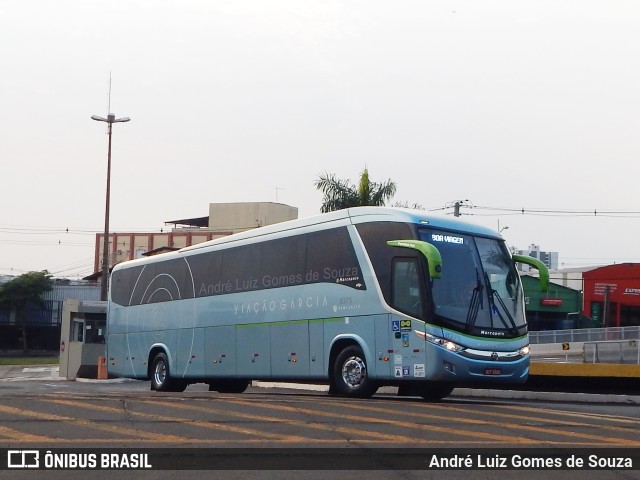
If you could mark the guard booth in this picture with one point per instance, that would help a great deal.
(82, 338)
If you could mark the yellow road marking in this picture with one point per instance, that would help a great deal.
(373, 437)
(197, 423)
(12, 434)
(316, 426)
(600, 416)
(514, 426)
(88, 424)
(411, 425)
(589, 439)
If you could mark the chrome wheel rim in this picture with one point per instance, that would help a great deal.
(354, 372)
(160, 373)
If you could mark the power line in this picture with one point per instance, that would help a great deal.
(36, 230)
(491, 211)
(622, 213)
(44, 243)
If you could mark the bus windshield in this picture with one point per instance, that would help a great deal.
(479, 292)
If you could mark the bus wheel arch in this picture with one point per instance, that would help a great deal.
(349, 371)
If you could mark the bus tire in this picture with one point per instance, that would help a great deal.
(435, 391)
(350, 376)
(161, 380)
(229, 386)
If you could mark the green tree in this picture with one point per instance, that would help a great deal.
(339, 194)
(23, 292)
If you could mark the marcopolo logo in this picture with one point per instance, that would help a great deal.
(23, 459)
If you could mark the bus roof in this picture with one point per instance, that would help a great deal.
(346, 216)
(354, 216)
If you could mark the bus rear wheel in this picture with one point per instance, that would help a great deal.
(350, 376)
(161, 380)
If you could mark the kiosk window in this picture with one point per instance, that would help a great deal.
(94, 331)
(77, 331)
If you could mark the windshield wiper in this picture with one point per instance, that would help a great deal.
(475, 304)
(493, 294)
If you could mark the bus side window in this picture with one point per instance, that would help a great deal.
(405, 286)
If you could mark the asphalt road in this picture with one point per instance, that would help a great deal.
(37, 410)
(197, 417)
(128, 415)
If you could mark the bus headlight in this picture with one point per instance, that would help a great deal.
(525, 350)
(453, 347)
(442, 342)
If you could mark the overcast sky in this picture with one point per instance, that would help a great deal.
(507, 104)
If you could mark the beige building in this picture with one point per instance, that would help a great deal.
(224, 219)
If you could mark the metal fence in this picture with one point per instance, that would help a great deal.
(625, 351)
(619, 345)
(610, 334)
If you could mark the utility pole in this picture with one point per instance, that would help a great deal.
(457, 205)
(110, 120)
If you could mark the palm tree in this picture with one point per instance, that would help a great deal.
(339, 194)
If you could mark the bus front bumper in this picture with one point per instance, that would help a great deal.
(460, 367)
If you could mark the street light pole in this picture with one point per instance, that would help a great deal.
(110, 120)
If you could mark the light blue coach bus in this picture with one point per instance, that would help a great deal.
(357, 298)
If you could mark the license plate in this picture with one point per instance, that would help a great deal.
(492, 371)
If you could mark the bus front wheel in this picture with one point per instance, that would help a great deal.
(435, 391)
(350, 376)
(229, 386)
(161, 380)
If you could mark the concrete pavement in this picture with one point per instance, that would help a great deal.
(16, 373)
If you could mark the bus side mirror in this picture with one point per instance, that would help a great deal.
(538, 265)
(431, 253)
